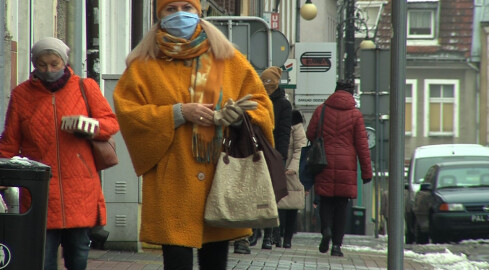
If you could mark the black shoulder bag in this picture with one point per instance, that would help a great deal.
(316, 156)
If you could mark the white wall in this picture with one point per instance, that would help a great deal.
(323, 27)
(115, 35)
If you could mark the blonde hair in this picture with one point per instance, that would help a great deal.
(148, 49)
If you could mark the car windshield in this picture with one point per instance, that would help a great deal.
(467, 176)
(423, 164)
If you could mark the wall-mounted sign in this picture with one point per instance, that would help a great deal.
(275, 21)
(316, 72)
(315, 61)
(309, 100)
(291, 69)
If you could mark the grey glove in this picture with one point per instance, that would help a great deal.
(233, 111)
(245, 104)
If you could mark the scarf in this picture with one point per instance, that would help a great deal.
(205, 86)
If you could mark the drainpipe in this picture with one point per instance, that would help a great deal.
(297, 21)
(2, 66)
(477, 104)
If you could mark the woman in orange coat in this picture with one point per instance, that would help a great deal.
(33, 130)
(172, 105)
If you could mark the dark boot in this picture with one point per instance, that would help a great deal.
(277, 240)
(242, 246)
(254, 237)
(336, 251)
(287, 242)
(267, 243)
(324, 246)
(267, 239)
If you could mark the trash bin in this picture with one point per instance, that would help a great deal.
(23, 235)
(358, 220)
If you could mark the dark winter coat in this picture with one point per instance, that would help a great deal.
(282, 110)
(345, 139)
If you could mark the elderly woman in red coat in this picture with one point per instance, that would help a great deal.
(33, 129)
(345, 139)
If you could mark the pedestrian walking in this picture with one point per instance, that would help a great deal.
(184, 84)
(282, 110)
(33, 129)
(345, 140)
(294, 201)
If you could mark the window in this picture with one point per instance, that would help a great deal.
(410, 108)
(422, 20)
(441, 108)
(370, 12)
(420, 24)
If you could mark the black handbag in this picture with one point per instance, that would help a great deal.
(316, 156)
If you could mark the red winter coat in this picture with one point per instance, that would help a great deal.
(32, 130)
(345, 139)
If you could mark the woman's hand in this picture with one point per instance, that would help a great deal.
(200, 114)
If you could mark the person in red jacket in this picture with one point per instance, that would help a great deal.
(33, 129)
(345, 140)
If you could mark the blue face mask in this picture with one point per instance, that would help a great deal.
(180, 24)
(49, 76)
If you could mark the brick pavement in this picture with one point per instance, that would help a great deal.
(361, 252)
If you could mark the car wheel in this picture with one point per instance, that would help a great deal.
(420, 237)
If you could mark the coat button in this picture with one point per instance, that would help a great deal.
(201, 176)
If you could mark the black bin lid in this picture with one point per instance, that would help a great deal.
(23, 168)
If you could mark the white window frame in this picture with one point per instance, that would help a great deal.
(433, 25)
(413, 100)
(455, 100)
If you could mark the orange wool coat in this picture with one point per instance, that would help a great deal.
(32, 130)
(175, 186)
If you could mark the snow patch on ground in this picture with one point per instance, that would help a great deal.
(439, 260)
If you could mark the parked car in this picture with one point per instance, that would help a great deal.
(453, 202)
(422, 159)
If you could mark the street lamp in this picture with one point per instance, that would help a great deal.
(367, 44)
(309, 10)
(352, 23)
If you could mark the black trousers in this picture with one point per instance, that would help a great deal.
(288, 221)
(212, 256)
(333, 211)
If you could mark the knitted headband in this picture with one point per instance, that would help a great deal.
(346, 86)
(162, 3)
(271, 75)
(50, 43)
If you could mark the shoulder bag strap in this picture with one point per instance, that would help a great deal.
(82, 90)
(319, 131)
(251, 133)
